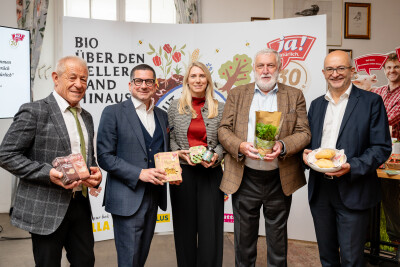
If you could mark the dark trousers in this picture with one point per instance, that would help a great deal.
(341, 232)
(133, 234)
(260, 189)
(75, 234)
(198, 217)
(391, 206)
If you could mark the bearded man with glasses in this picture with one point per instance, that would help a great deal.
(355, 120)
(130, 134)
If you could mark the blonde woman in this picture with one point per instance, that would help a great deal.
(197, 203)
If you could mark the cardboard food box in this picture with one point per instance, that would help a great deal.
(79, 165)
(73, 167)
(169, 162)
(64, 165)
(393, 162)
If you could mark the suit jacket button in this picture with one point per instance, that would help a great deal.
(145, 159)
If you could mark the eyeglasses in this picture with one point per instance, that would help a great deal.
(339, 70)
(139, 82)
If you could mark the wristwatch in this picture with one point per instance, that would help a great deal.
(283, 152)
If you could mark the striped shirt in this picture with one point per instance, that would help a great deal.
(391, 99)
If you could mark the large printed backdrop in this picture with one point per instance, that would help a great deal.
(112, 49)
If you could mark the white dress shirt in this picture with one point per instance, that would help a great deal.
(333, 118)
(72, 129)
(145, 116)
(261, 102)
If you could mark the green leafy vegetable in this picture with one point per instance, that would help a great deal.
(266, 131)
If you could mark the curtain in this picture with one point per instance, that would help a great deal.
(31, 15)
(187, 11)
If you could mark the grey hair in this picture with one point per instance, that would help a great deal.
(269, 51)
(60, 69)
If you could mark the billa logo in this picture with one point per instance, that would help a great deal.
(16, 37)
(370, 62)
(292, 47)
(228, 218)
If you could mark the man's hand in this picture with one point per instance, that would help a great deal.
(154, 176)
(345, 169)
(248, 150)
(276, 151)
(94, 178)
(305, 154)
(55, 177)
(95, 191)
(213, 160)
(184, 154)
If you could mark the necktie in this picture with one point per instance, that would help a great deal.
(82, 141)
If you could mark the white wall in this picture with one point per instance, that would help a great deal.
(215, 11)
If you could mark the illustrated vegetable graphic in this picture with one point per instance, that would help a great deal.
(157, 61)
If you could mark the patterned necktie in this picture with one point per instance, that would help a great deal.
(82, 141)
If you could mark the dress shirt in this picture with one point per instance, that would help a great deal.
(333, 118)
(72, 129)
(145, 116)
(391, 99)
(261, 102)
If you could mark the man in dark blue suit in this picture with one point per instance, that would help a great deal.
(130, 134)
(354, 120)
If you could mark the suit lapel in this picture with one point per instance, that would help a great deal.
(282, 100)
(58, 121)
(134, 121)
(351, 104)
(248, 98)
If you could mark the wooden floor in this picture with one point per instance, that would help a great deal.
(18, 252)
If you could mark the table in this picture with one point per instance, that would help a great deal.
(376, 254)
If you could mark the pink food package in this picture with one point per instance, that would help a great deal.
(62, 164)
(73, 167)
(79, 165)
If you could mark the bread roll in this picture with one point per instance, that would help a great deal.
(324, 163)
(325, 154)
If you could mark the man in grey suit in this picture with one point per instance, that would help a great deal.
(55, 214)
(130, 134)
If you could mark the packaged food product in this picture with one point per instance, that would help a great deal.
(64, 165)
(196, 153)
(73, 167)
(79, 165)
(169, 162)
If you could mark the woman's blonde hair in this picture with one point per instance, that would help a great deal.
(186, 98)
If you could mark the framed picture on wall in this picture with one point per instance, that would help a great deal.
(357, 21)
(258, 18)
(348, 51)
(331, 8)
